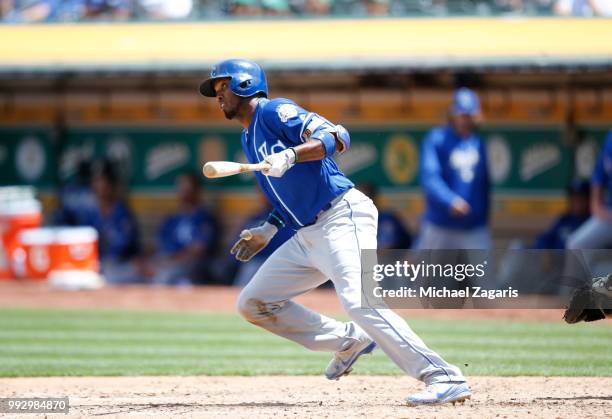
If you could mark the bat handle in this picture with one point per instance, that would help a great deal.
(256, 167)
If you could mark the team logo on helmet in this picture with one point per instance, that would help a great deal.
(286, 111)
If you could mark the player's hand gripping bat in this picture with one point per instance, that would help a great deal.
(214, 169)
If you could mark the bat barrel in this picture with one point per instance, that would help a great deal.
(209, 170)
(214, 169)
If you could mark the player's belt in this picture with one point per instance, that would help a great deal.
(327, 207)
(332, 202)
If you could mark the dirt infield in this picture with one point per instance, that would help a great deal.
(354, 396)
(38, 294)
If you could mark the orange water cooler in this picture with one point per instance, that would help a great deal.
(74, 259)
(42, 251)
(31, 253)
(19, 210)
(75, 248)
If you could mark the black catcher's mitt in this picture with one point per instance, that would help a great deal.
(589, 304)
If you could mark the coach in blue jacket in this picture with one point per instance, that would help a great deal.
(455, 179)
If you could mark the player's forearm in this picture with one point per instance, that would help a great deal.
(309, 151)
(436, 188)
(320, 145)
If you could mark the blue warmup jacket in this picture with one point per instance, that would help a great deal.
(181, 230)
(450, 167)
(602, 174)
(392, 234)
(119, 238)
(556, 236)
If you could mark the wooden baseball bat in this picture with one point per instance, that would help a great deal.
(214, 169)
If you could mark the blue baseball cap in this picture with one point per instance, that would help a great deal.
(466, 101)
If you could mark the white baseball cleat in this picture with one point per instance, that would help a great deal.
(439, 393)
(343, 361)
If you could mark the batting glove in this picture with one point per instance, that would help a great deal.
(280, 162)
(252, 241)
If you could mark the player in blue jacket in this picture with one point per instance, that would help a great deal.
(455, 179)
(119, 239)
(77, 199)
(187, 239)
(596, 233)
(578, 194)
(333, 223)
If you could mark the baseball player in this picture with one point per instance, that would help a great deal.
(596, 233)
(455, 179)
(333, 222)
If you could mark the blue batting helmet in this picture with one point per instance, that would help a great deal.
(246, 78)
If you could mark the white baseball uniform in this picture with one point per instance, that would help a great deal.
(330, 248)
